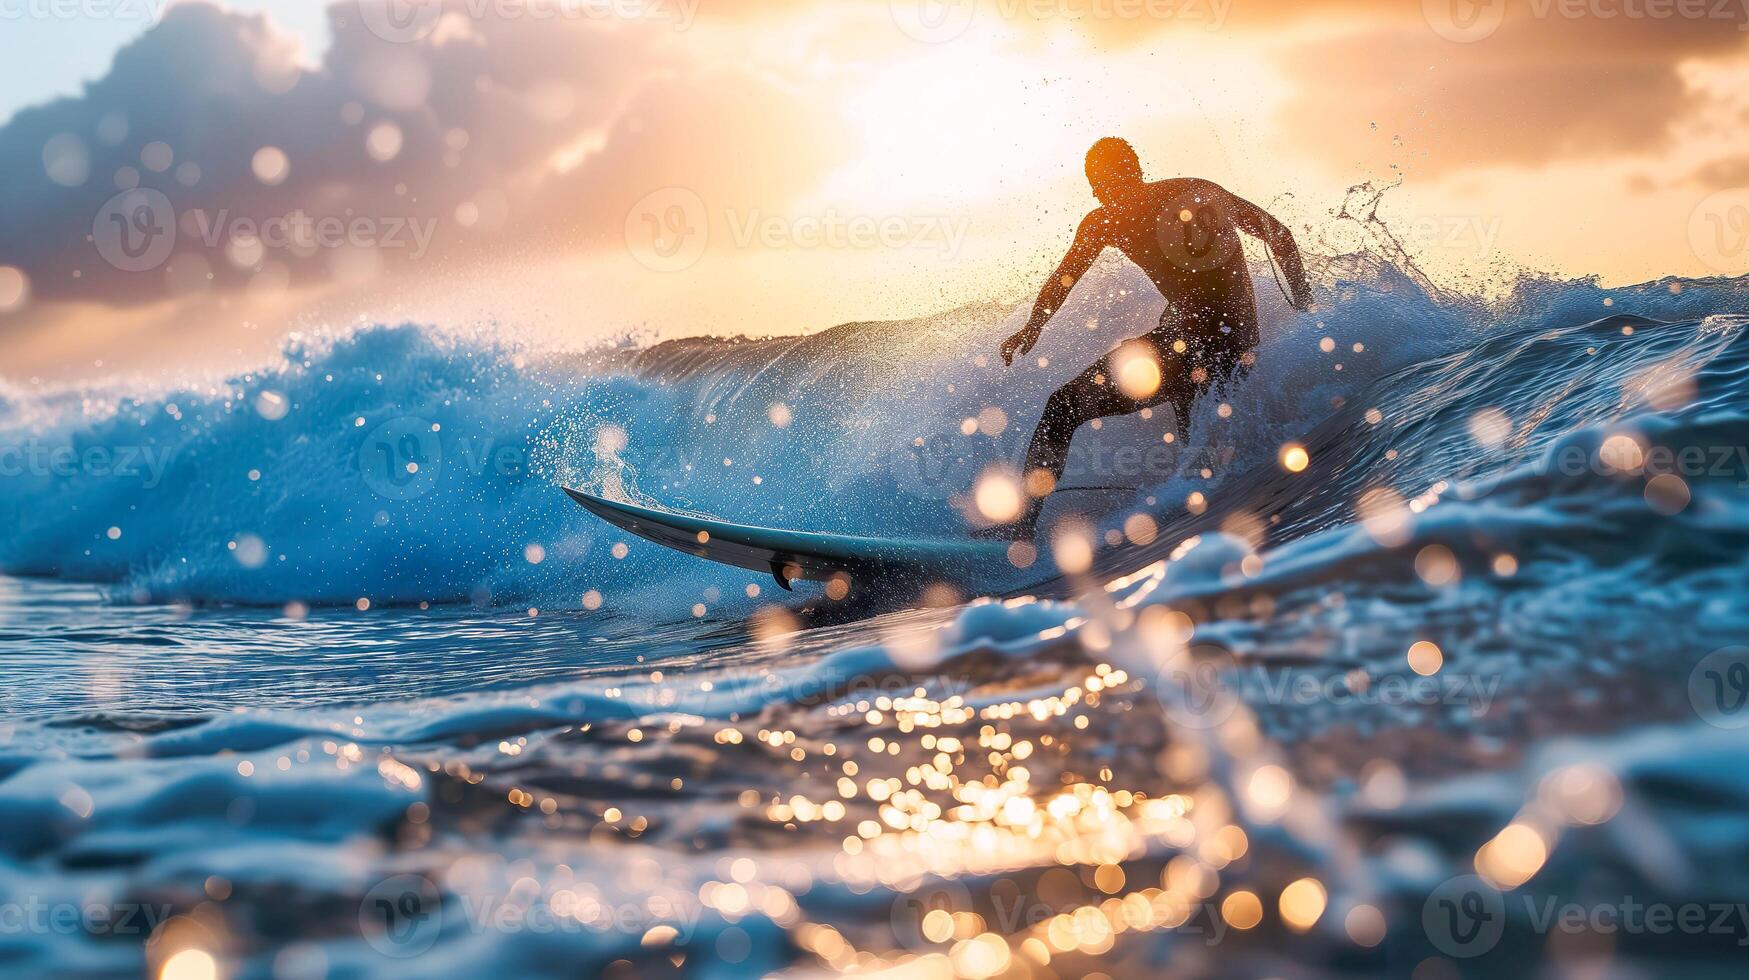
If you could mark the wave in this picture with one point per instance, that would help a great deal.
(404, 464)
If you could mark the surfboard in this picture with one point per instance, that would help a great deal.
(791, 555)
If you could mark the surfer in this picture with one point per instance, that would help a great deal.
(1182, 232)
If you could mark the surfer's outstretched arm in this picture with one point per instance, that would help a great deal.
(1261, 225)
(1089, 242)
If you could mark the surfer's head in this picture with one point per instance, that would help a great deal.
(1113, 169)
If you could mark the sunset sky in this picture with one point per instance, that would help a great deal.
(577, 169)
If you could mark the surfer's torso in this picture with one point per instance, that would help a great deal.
(1180, 234)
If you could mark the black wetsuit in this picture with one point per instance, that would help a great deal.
(1184, 234)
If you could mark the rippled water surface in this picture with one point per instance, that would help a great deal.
(1472, 669)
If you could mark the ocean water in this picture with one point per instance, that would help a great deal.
(314, 672)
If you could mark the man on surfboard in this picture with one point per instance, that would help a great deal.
(1182, 232)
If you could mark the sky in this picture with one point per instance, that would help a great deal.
(189, 182)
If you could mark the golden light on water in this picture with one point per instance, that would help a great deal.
(1294, 457)
(1072, 549)
(1668, 494)
(1040, 483)
(1490, 427)
(1140, 528)
(1437, 566)
(1385, 517)
(1622, 453)
(1137, 369)
(1365, 924)
(998, 495)
(1242, 910)
(1268, 792)
(982, 956)
(1583, 794)
(190, 964)
(1513, 857)
(1425, 658)
(1302, 904)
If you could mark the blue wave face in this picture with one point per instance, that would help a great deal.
(400, 464)
(1502, 598)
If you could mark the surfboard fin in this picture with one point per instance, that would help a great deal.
(780, 571)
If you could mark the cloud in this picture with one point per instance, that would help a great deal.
(1732, 171)
(211, 159)
(1535, 89)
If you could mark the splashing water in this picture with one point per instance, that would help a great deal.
(1468, 660)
